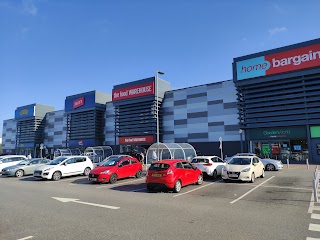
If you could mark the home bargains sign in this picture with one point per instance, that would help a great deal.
(291, 60)
(136, 139)
(140, 90)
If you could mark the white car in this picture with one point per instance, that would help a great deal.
(64, 166)
(272, 164)
(244, 168)
(211, 165)
(10, 160)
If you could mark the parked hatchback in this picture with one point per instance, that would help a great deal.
(172, 174)
(244, 168)
(116, 167)
(10, 160)
(25, 167)
(210, 165)
(64, 166)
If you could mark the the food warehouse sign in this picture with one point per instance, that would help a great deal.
(140, 90)
(291, 60)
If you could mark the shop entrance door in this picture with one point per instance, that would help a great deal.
(279, 150)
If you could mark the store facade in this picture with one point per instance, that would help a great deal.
(278, 100)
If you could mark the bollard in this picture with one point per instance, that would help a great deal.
(307, 163)
(288, 162)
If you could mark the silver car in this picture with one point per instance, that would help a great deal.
(272, 164)
(25, 167)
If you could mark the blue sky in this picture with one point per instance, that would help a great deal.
(51, 49)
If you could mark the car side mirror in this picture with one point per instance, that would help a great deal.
(65, 164)
(119, 165)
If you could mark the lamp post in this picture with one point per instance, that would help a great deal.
(241, 143)
(157, 106)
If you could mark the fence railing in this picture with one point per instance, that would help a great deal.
(316, 184)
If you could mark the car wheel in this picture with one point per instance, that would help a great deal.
(252, 177)
(19, 173)
(200, 179)
(270, 167)
(86, 171)
(139, 173)
(226, 180)
(150, 189)
(177, 186)
(215, 174)
(56, 176)
(263, 174)
(113, 178)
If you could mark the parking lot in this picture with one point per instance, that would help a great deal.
(279, 206)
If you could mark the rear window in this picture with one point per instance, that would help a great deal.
(200, 160)
(159, 166)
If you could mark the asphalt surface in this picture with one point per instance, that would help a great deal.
(279, 206)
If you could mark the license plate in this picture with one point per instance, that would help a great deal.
(156, 175)
(37, 174)
(233, 175)
(93, 179)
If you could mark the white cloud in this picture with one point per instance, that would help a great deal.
(29, 7)
(277, 30)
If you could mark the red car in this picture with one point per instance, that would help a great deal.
(172, 174)
(116, 167)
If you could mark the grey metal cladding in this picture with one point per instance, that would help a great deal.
(198, 135)
(168, 132)
(230, 105)
(165, 113)
(180, 122)
(210, 124)
(180, 102)
(215, 85)
(203, 94)
(198, 114)
(58, 119)
(180, 140)
(168, 95)
(231, 127)
(58, 133)
(215, 102)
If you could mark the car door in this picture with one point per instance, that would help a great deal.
(134, 166)
(257, 167)
(189, 173)
(79, 165)
(67, 167)
(29, 169)
(124, 168)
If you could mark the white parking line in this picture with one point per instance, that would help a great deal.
(251, 190)
(309, 238)
(315, 216)
(314, 227)
(122, 183)
(311, 206)
(25, 238)
(272, 186)
(177, 195)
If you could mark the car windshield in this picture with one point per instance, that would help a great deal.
(111, 162)
(240, 161)
(57, 161)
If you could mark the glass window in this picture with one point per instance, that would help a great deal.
(80, 159)
(179, 165)
(187, 165)
(132, 161)
(125, 163)
(240, 161)
(71, 161)
(159, 166)
(34, 162)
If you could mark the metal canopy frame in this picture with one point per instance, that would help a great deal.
(169, 151)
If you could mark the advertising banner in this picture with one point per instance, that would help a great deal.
(277, 133)
(81, 143)
(25, 112)
(80, 102)
(136, 139)
(287, 61)
(140, 90)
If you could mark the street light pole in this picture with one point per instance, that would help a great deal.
(157, 106)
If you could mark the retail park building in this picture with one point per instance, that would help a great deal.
(270, 107)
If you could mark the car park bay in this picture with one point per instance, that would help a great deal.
(276, 207)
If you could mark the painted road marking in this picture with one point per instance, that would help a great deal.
(309, 238)
(65, 200)
(177, 195)
(314, 227)
(122, 183)
(273, 186)
(239, 198)
(25, 238)
(315, 216)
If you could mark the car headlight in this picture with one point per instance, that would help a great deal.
(105, 172)
(47, 169)
(246, 170)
